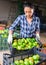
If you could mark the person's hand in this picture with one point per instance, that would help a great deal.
(37, 37)
(10, 38)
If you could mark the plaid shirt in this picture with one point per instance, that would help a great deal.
(26, 29)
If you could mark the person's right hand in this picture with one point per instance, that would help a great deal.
(10, 38)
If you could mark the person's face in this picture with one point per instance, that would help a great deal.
(28, 11)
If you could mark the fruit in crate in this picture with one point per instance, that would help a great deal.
(36, 57)
(27, 61)
(25, 43)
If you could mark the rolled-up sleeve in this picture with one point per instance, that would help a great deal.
(38, 24)
(15, 23)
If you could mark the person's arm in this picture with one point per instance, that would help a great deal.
(38, 29)
(15, 23)
(11, 29)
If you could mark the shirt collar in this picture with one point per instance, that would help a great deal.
(33, 19)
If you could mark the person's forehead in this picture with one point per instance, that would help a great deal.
(28, 8)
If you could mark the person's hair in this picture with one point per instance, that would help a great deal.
(27, 4)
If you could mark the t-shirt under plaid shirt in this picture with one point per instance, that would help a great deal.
(26, 29)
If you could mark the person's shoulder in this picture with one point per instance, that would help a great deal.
(37, 18)
(21, 16)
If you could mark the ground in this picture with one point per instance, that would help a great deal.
(43, 40)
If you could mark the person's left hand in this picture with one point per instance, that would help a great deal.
(37, 36)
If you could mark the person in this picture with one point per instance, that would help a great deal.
(29, 24)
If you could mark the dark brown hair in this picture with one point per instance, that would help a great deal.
(27, 4)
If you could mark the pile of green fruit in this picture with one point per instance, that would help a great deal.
(25, 43)
(4, 33)
(28, 61)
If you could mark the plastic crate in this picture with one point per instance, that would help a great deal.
(9, 59)
(3, 44)
(39, 51)
(15, 51)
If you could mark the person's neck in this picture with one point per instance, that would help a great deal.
(29, 17)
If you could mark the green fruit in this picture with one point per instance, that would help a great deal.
(35, 44)
(29, 47)
(25, 41)
(30, 44)
(33, 39)
(15, 40)
(36, 57)
(36, 61)
(22, 40)
(38, 46)
(19, 43)
(14, 45)
(16, 62)
(30, 62)
(26, 62)
(19, 47)
(22, 46)
(21, 62)
(28, 39)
